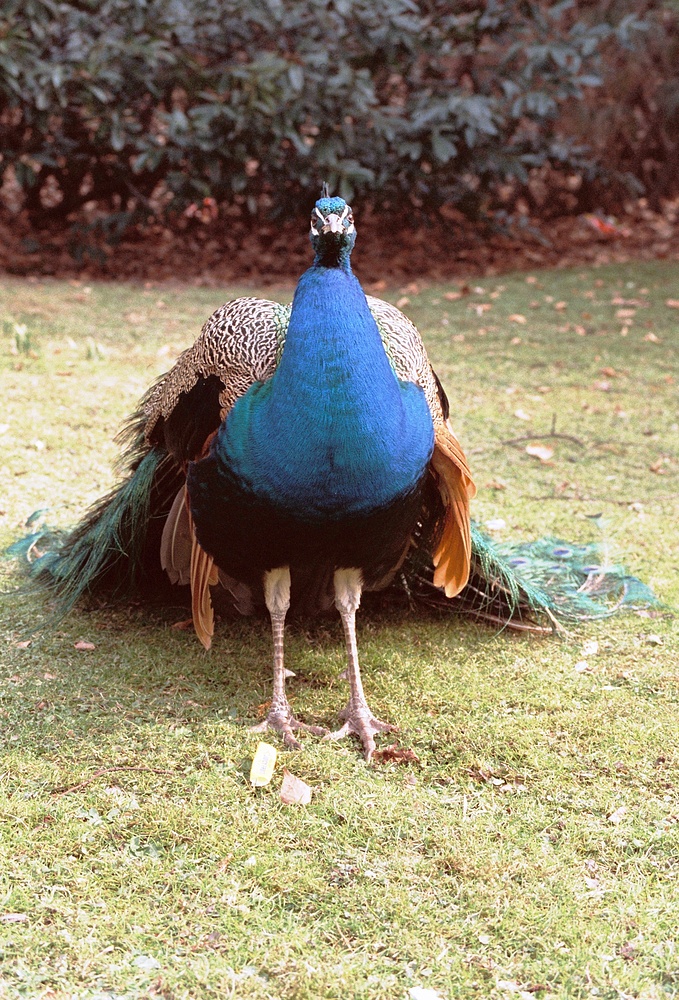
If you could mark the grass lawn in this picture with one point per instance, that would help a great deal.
(533, 851)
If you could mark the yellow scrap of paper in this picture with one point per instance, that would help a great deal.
(263, 764)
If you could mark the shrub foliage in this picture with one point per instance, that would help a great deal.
(141, 105)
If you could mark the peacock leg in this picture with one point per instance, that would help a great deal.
(280, 717)
(359, 720)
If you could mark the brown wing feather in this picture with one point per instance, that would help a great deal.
(452, 558)
(176, 544)
(203, 575)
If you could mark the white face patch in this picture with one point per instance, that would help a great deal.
(334, 223)
(317, 220)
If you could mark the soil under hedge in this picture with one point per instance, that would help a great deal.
(234, 250)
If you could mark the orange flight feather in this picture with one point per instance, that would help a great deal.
(203, 575)
(452, 558)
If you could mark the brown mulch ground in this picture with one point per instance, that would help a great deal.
(233, 250)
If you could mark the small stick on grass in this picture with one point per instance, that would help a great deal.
(544, 437)
(65, 789)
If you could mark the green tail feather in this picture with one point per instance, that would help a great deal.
(535, 585)
(114, 549)
(580, 581)
(107, 547)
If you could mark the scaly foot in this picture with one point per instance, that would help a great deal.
(284, 723)
(362, 723)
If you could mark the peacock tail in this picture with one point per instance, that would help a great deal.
(114, 550)
(528, 586)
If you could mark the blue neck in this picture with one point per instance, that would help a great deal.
(333, 431)
(327, 256)
(333, 344)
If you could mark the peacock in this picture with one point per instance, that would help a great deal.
(298, 457)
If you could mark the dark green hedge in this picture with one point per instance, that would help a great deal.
(410, 102)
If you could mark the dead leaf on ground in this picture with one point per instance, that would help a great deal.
(524, 992)
(541, 451)
(13, 918)
(657, 467)
(82, 644)
(625, 313)
(402, 302)
(517, 318)
(522, 415)
(394, 754)
(560, 306)
(294, 791)
(652, 338)
(423, 993)
(183, 625)
(452, 296)
(496, 484)
(24, 644)
(496, 524)
(672, 303)
(617, 816)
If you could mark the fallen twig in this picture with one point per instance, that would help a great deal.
(543, 437)
(64, 789)
(570, 498)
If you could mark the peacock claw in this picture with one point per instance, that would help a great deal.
(359, 721)
(283, 722)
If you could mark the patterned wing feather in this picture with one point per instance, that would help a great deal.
(240, 344)
(403, 344)
(404, 347)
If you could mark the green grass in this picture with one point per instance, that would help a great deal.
(136, 861)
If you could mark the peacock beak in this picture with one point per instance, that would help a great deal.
(333, 224)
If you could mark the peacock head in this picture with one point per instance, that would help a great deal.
(333, 232)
